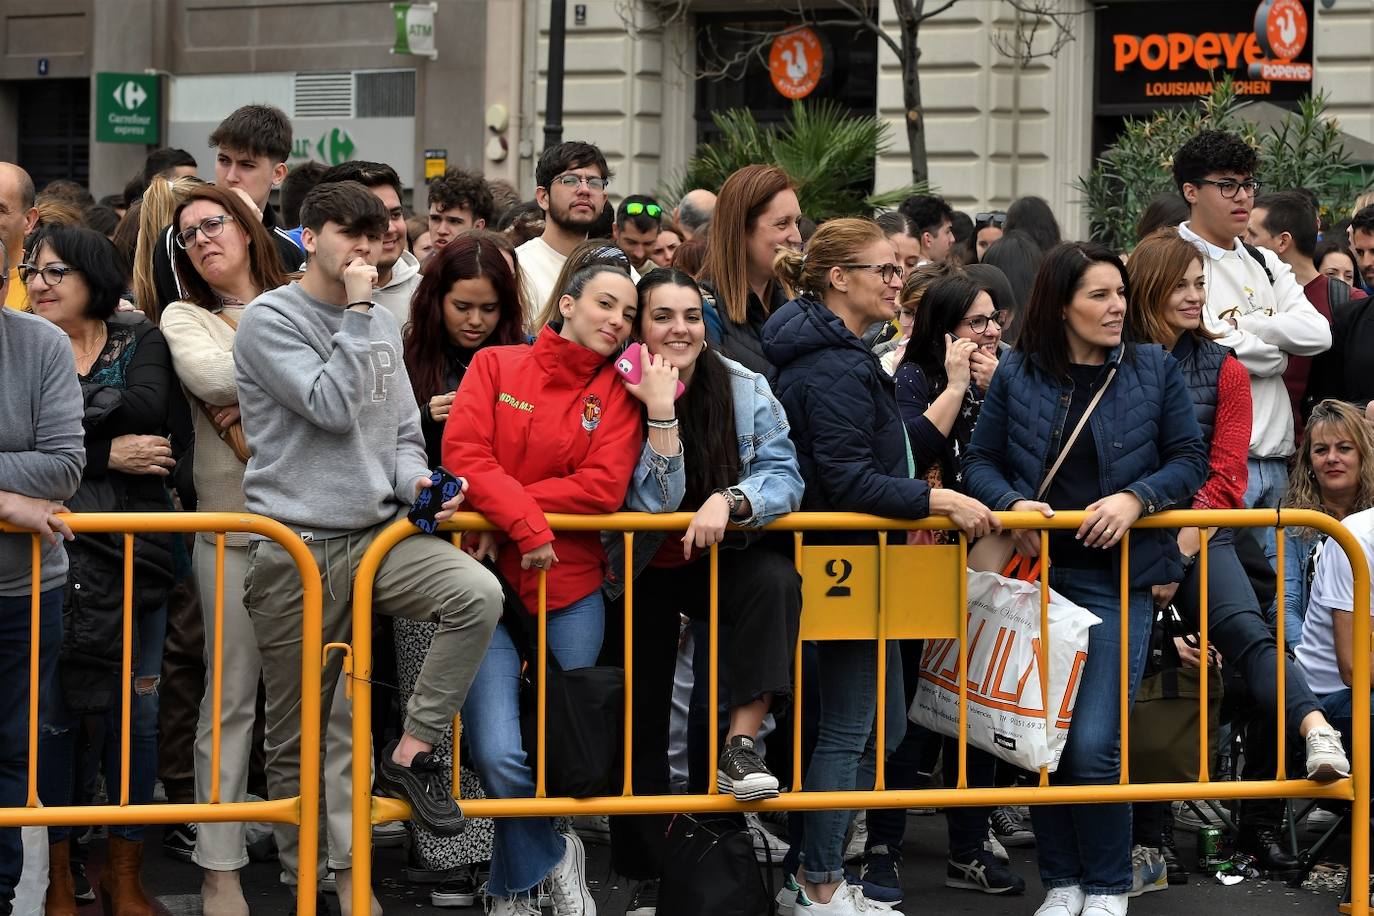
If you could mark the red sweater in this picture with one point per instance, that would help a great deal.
(1227, 471)
(547, 428)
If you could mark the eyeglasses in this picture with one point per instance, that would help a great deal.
(569, 180)
(636, 208)
(886, 271)
(994, 218)
(52, 275)
(210, 227)
(1228, 188)
(979, 323)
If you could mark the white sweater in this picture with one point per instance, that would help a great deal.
(1273, 320)
(202, 346)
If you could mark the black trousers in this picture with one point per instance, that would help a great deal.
(760, 615)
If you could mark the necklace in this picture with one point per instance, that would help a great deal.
(99, 340)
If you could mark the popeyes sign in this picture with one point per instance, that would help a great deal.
(1184, 53)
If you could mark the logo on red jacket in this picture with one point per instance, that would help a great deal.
(591, 412)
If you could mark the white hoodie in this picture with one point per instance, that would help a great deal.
(396, 295)
(1273, 320)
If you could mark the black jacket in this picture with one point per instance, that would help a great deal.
(742, 342)
(169, 287)
(1346, 371)
(842, 407)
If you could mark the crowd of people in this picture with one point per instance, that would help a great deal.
(341, 349)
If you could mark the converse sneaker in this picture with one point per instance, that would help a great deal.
(522, 905)
(567, 883)
(1326, 760)
(457, 892)
(984, 872)
(742, 773)
(1148, 871)
(1009, 829)
(769, 849)
(1105, 905)
(1062, 901)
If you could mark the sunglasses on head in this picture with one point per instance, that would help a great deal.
(636, 208)
(995, 218)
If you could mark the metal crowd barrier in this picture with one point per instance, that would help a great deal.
(856, 592)
(301, 810)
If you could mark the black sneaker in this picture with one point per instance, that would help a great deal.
(644, 901)
(179, 841)
(1009, 829)
(742, 772)
(1177, 871)
(457, 892)
(83, 892)
(983, 872)
(422, 784)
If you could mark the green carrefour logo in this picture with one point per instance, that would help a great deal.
(333, 147)
(126, 108)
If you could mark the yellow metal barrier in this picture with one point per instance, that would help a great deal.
(301, 810)
(862, 580)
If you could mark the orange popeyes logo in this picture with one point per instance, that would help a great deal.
(1175, 50)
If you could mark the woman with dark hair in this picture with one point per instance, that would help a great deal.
(75, 280)
(1032, 215)
(1018, 257)
(547, 428)
(1334, 258)
(1166, 276)
(469, 299)
(225, 259)
(853, 457)
(756, 216)
(1131, 447)
(722, 448)
(1165, 210)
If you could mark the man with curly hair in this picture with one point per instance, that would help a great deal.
(459, 200)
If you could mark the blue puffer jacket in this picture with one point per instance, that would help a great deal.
(851, 444)
(1147, 436)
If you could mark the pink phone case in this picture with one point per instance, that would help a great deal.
(628, 365)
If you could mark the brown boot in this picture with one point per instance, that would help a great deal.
(121, 885)
(61, 900)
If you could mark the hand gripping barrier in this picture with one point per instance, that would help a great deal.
(301, 810)
(873, 579)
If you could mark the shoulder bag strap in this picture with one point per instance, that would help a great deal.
(1073, 437)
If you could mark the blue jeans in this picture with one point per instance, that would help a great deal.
(57, 736)
(1265, 489)
(844, 758)
(525, 849)
(15, 645)
(1089, 846)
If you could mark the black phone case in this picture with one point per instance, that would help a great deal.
(431, 500)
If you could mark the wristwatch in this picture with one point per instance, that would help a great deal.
(734, 499)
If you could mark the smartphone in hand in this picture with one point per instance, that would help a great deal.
(630, 365)
(444, 486)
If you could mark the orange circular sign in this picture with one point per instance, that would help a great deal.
(795, 63)
(1282, 28)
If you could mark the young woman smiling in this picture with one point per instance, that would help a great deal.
(1140, 452)
(723, 451)
(547, 428)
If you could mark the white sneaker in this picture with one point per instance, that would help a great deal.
(786, 898)
(523, 905)
(854, 849)
(1105, 905)
(1148, 871)
(1062, 901)
(567, 883)
(769, 848)
(994, 846)
(848, 900)
(1326, 760)
(1196, 816)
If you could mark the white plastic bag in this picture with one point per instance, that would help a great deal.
(1006, 710)
(29, 894)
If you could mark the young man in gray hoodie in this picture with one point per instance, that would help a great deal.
(337, 456)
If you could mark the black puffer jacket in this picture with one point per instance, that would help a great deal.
(842, 406)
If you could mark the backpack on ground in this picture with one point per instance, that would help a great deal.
(709, 867)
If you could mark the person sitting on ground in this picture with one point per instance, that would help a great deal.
(321, 386)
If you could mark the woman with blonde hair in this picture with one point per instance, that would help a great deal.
(159, 203)
(853, 455)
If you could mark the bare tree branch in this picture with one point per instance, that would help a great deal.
(868, 17)
(1018, 43)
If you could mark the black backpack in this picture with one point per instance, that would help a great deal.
(709, 867)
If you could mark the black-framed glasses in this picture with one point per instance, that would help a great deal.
(886, 271)
(211, 227)
(1228, 188)
(573, 182)
(635, 208)
(994, 218)
(52, 274)
(979, 323)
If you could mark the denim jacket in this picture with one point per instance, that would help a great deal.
(769, 475)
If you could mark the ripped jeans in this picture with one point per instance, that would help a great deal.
(59, 728)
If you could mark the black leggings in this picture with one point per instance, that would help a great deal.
(760, 604)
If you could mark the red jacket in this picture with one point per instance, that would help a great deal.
(547, 428)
